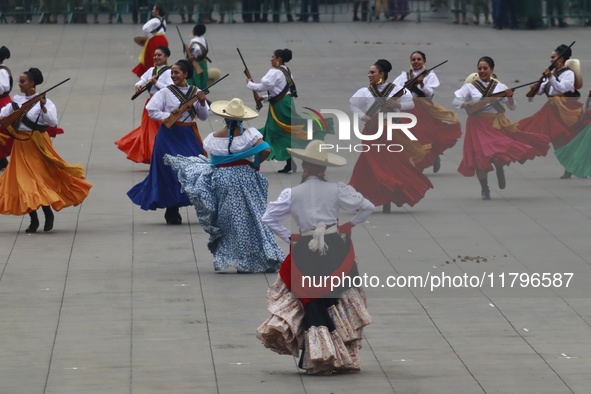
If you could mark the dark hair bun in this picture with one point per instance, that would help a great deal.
(185, 66)
(35, 75)
(199, 29)
(384, 65)
(4, 53)
(287, 55)
(567, 51)
(164, 50)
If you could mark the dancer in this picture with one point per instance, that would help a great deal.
(575, 156)
(490, 138)
(229, 194)
(36, 175)
(138, 144)
(5, 88)
(284, 127)
(161, 188)
(558, 118)
(435, 125)
(199, 49)
(154, 30)
(380, 175)
(325, 323)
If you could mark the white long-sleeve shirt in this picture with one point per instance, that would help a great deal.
(273, 82)
(362, 100)
(164, 102)
(312, 202)
(163, 81)
(152, 24)
(35, 114)
(219, 145)
(430, 82)
(566, 84)
(469, 92)
(196, 49)
(4, 81)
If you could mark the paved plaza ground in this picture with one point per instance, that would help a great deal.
(115, 301)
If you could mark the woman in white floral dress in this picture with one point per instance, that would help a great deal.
(324, 322)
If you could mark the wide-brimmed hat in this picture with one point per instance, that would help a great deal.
(575, 65)
(213, 74)
(233, 109)
(315, 155)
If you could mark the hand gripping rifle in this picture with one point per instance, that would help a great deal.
(480, 107)
(187, 53)
(257, 99)
(536, 86)
(149, 84)
(26, 106)
(173, 118)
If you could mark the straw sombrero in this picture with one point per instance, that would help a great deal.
(315, 155)
(213, 74)
(575, 65)
(234, 109)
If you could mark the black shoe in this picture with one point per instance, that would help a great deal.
(485, 194)
(566, 175)
(501, 177)
(34, 223)
(3, 163)
(48, 218)
(437, 164)
(387, 208)
(288, 167)
(172, 216)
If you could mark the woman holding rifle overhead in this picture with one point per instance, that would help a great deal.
(154, 30)
(383, 176)
(176, 106)
(558, 118)
(491, 140)
(435, 125)
(36, 175)
(138, 144)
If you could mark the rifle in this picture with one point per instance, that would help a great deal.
(26, 106)
(536, 86)
(173, 118)
(500, 95)
(149, 84)
(187, 53)
(257, 99)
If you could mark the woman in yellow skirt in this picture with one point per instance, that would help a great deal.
(37, 176)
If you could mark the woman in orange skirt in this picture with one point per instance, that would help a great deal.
(138, 144)
(36, 175)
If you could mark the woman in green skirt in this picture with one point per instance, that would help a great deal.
(575, 156)
(284, 127)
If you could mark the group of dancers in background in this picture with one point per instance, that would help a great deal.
(220, 177)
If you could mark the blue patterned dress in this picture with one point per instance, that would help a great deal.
(230, 202)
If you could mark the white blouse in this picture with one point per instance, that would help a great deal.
(362, 100)
(153, 24)
(163, 81)
(164, 102)
(35, 114)
(468, 92)
(4, 81)
(312, 202)
(196, 49)
(430, 82)
(273, 82)
(558, 88)
(219, 145)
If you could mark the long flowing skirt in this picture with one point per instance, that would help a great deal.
(557, 119)
(200, 80)
(575, 157)
(161, 188)
(37, 176)
(146, 58)
(230, 203)
(485, 145)
(327, 332)
(436, 126)
(139, 143)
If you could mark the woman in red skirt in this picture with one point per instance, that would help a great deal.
(559, 117)
(435, 125)
(154, 30)
(382, 176)
(490, 138)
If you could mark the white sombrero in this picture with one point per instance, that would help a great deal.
(234, 109)
(213, 74)
(575, 65)
(315, 155)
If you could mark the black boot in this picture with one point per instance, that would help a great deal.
(290, 167)
(48, 218)
(501, 177)
(437, 164)
(173, 216)
(3, 163)
(485, 192)
(387, 208)
(34, 222)
(566, 175)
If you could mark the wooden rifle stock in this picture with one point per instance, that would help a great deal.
(257, 99)
(173, 118)
(149, 84)
(187, 53)
(534, 89)
(26, 106)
